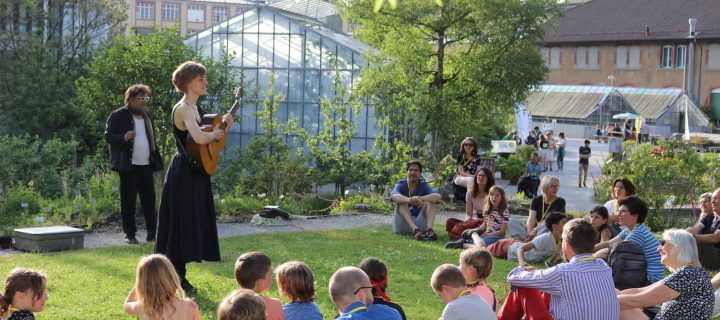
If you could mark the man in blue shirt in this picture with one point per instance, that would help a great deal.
(351, 291)
(414, 204)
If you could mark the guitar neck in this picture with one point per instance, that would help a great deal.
(232, 111)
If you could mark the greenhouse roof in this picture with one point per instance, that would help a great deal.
(580, 102)
(317, 9)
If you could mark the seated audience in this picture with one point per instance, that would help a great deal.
(351, 291)
(448, 283)
(253, 270)
(622, 187)
(241, 304)
(414, 204)
(157, 293)
(25, 292)
(599, 221)
(685, 294)
(476, 266)
(543, 205)
(545, 247)
(474, 201)
(378, 273)
(495, 216)
(705, 202)
(707, 235)
(296, 282)
(633, 211)
(579, 289)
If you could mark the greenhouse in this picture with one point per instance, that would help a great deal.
(302, 54)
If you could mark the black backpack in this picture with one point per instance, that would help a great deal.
(628, 264)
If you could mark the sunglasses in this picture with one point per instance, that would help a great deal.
(358, 290)
(467, 144)
(145, 98)
(663, 242)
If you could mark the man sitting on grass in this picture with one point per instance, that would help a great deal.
(414, 204)
(707, 235)
(351, 291)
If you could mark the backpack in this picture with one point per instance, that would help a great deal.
(628, 264)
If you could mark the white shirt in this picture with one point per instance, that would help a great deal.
(141, 147)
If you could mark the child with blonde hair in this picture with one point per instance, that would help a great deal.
(25, 292)
(241, 304)
(476, 266)
(157, 293)
(296, 282)
(253, 270)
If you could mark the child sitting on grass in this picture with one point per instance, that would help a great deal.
(496, 217)
(449, 284)
(377, 271)
(157, 293)
(241, 304)
(25, 292)
(253, 270)
(296, 282)
(476, 266)
(599, 221)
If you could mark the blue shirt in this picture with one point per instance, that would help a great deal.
(581, 289)
(302, 311)
(421, 189)
(534, 170)
(359, 311)
(649, 244)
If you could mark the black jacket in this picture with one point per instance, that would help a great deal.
(118, 123)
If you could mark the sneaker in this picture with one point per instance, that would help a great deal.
(186, 286)
(130, 239)
(431, 235)
(150, 237)
(455, 244)
(584, 185)
(418, 235)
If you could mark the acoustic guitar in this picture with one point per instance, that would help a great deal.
(205, 156)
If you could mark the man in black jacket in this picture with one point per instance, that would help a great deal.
(135, 156)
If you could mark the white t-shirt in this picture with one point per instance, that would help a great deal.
(611, 205)
(468, 307)
(141, 147)
(544, 244)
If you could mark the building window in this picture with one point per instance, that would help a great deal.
(581, 58)
(145, 11)
(680, 56)
(593, 58)
(667, 55)
(634, 58)
(196, 13)
(219, 14)
(621, 57)
(555, 59)
(714, 57)
(171, 12)
(586, 58)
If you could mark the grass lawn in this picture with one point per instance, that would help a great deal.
(93, 284)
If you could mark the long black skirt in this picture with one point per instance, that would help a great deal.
(187, 229)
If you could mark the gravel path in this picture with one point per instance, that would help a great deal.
(113, 236)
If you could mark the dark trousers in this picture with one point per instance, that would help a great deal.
(708, 255)
(137, 181)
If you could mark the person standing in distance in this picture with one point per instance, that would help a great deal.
(134, 155)
(584, 155)
(187, 229)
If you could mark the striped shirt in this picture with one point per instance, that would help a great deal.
(649, 244)
(581, 289)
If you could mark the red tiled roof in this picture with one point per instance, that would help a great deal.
(626, 20)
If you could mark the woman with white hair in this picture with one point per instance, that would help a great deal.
(542, 205)
(685, 294)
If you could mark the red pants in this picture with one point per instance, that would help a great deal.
(531, 303)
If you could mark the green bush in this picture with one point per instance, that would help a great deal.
(525, 151)
(20, 205)
(374, 204)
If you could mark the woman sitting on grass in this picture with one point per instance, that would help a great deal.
(685, 294)
(157, 293)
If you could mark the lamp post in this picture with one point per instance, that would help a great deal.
(612, 96)
(690, 74)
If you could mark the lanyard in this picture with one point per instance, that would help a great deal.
(463, 293)
(584, 259)
(463, 164)
(542, 213)
(357, 309)
(552, 257)
(411, 193)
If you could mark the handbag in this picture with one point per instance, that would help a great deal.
(455, 227)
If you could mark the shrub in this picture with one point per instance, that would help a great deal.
(19, 206)
(374, 204)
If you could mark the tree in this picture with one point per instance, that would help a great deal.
(43, 46)
(150, 60)
(440, 69)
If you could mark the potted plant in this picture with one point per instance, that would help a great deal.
(512, 169)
